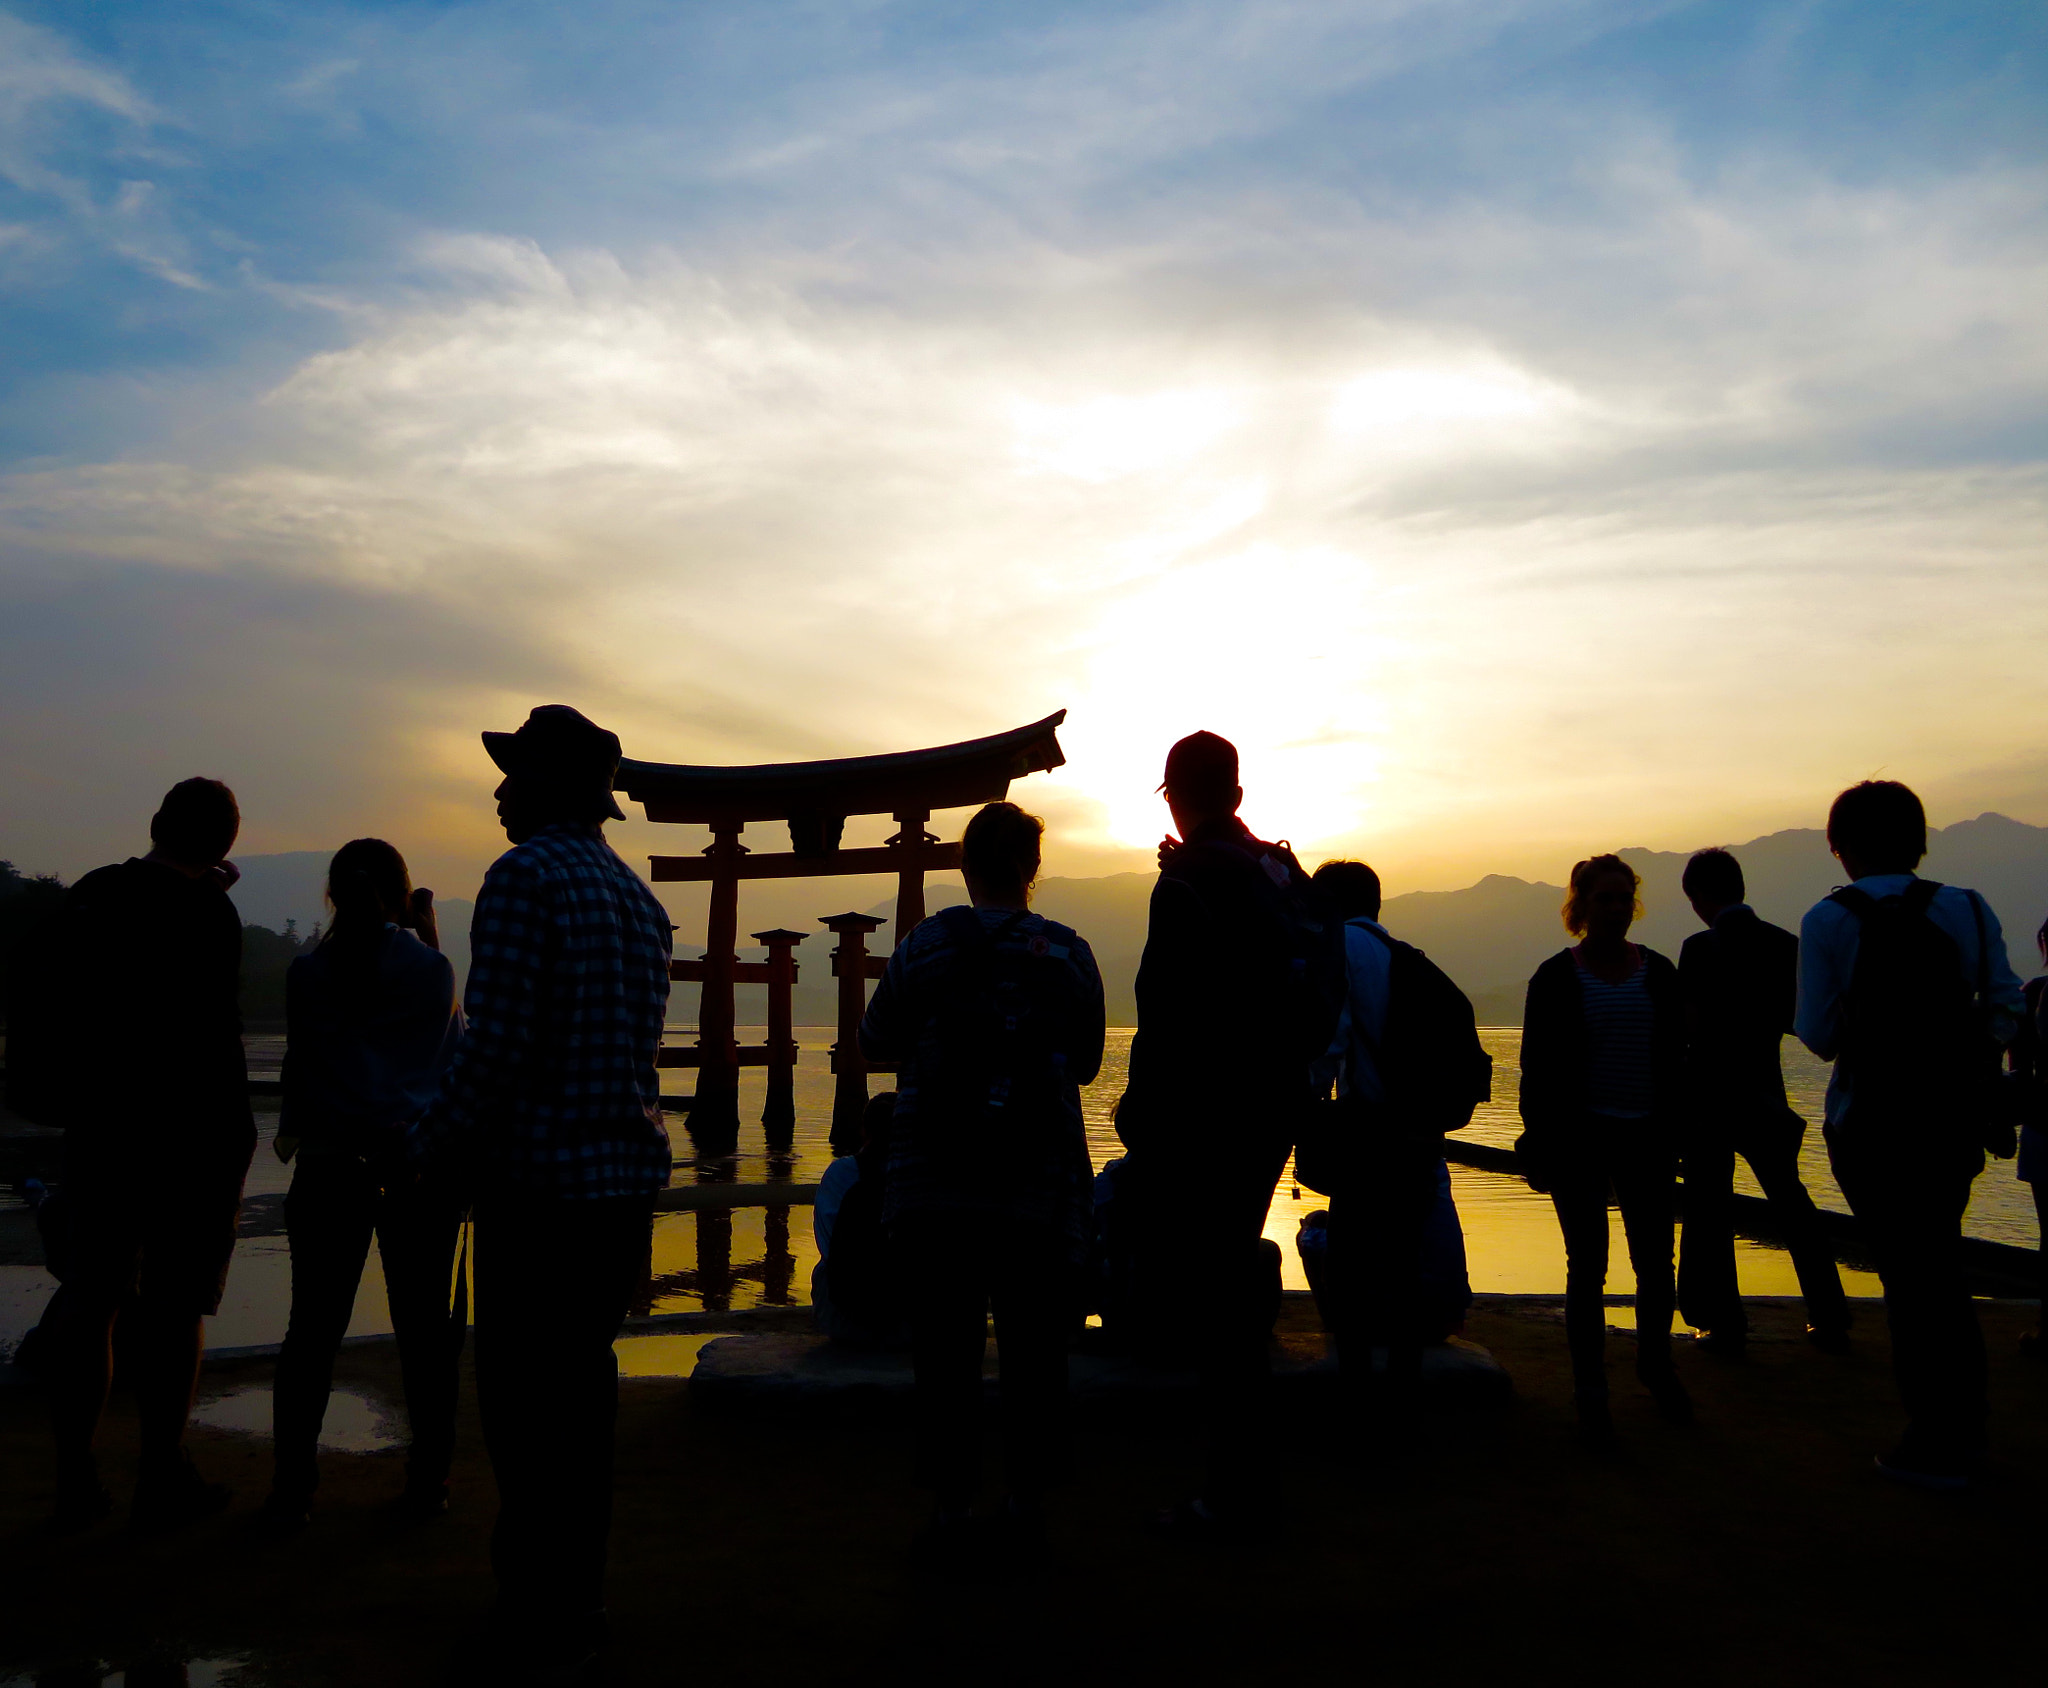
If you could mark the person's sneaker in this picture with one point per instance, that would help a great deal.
(1828, 1341)
(421, 1500)
(80, 1509)
(2033, 1346)
(1730, 1344)
(174, 1496)
(1674, 1402)
(286, 1512)
(1596, 1427)
(1920, 1472)
(505, 1652)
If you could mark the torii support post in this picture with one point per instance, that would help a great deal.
(850, 965)
(912, 838)
(715, 1119)
(778, 1116)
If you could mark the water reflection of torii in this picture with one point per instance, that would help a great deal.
(814, 798)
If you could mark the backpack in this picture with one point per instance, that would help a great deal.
(859, 1267)
(1916, 1034)
(1303, 984)
(1433, 1072)
(998, 1041)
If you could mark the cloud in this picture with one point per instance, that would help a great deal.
(1501, 455)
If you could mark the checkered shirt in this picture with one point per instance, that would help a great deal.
(554, 1087)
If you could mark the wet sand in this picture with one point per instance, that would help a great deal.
(1757, 1548)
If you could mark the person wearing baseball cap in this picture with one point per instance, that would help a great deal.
(1217, 1077)
(551, 1114)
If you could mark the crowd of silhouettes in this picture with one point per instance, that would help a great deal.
(1277, 1016)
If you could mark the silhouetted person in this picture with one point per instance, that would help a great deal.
(855, 1296)
(1904, 985)
(1603, 1056)
(371, 1025)
(1219, 1076)
(1740, 983)
(996, 1016)
(551, 1112)
(2029, 1059)
(1407, 1067)
(157, 1142)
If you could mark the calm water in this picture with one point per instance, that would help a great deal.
(749, 1257)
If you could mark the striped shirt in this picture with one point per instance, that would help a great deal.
(553, 1087)
(1619, 1019)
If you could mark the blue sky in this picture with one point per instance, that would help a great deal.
(1527, 427)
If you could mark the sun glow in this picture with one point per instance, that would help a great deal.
(1269, 647)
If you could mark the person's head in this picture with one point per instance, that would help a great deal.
(196, 824)
(1877, 826)
(876, 1120)
(1602, 902)
(1712, 881)
(999, 855)
(558, 767)
(1348, 889)
(368, 887)
(2041, 942)
(1201, 781)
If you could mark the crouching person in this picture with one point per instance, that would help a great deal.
(551, 1111)
(1408, 1067)
(995, 1016)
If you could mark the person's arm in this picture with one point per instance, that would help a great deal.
(509, 951)
(881, 1027)
(1085, 1058)
(2006, 996)
(1821, 979)
(292, 1102)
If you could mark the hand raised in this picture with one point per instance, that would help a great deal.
(419, 915)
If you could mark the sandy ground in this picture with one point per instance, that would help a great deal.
(1756, 1548)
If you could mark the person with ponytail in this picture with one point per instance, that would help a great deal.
(1603, 1059)
(371, 1023)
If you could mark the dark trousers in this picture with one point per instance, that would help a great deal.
(335, 1205)
(958, 1269)
(1707, 1292)
(1632, 1160)
(553, 1281)
(1377, 1224)
(1909, 1202)
(1204, 1288)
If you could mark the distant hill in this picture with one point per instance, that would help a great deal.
(292, 886)
(1491, 936)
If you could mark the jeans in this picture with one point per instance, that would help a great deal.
(1909, 1201)
(1204, 1290)
(335, 1204)
(554, 1278)
(957, 1269)
(1634, 1160)
(1769, 1141)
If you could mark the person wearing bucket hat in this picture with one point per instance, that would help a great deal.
(551, 1114)
(560, 763)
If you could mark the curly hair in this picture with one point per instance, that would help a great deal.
(1583, 876)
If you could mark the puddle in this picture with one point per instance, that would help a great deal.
(355, 1424)
(154, 1673)
(661, 1356)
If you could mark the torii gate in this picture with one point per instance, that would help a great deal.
(814, 798)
